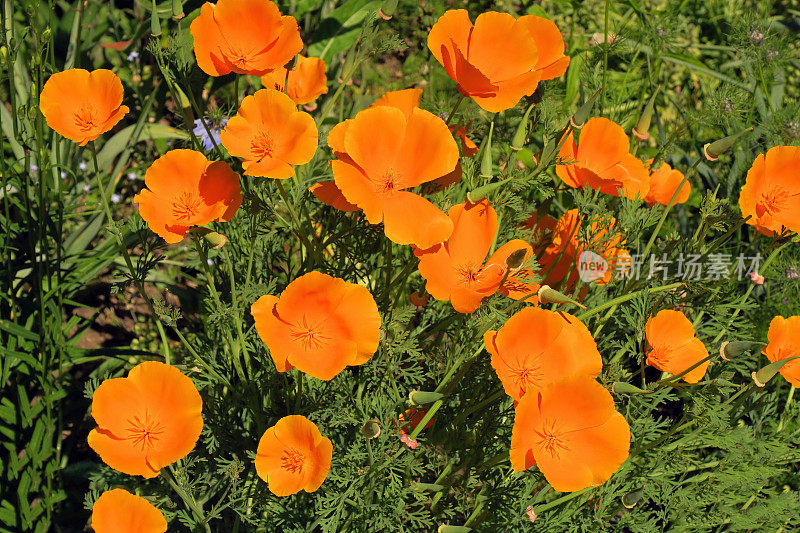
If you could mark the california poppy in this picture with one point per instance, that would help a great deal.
(147, 420)
(536, 347)
(271, 135)
(293, 455)
(500, 59)
(673, 346)
(410, 419)
(663, 184)
(320, 325)
(305, 83)
(185, 189)
(119, 511)
(455, 270)
(572, 432)
(329, 194)
(81, 105)
(784, 342)
(601, 160)
(243, 36)
(384, 150)
(519, 282)
(771, 193)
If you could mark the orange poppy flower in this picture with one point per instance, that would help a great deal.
(572, 432)
(518, 284)
(271, 135)
(384, 150)
(119, 511)
(293, 455)
(468, 147)
(663, 184)
(536, 347)
(673, 346)
(417, 299)
(81, 105)
(601, 160)
(185, 189)
(243, 36)
(306, 82)
(410, 419)
(455, 270)
(500, 59)
(320, 325)
(771, 192)
(147, 420)
(329, 194)
(784, 342)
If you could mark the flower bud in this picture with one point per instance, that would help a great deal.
(155, 23)
(522, 130)
(215, 240)
(548, 295)
(486, 160)
(483, 191)
(768, 372)
(423, 397)
(642, 128)
(582, 114)
(731, 349)
(387, 9)
(713, 150)
(371, 429)
(177, 9)
(630, 499)
(46, 34)
(621, 387)
(444, 528)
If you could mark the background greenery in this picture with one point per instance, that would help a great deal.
(72, 311)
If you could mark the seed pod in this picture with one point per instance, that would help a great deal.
(642, 128)
(582, 114)
(522, 130)
(548, 295)
(155, 23)
(713, 150)
(418, 397)
(768, 372)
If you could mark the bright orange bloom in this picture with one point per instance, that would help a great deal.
(293, 455)
(320, 325)
(771, 192)
(663, 184)
(500, 59)
(119, 511)
(185, 189)
(410, 419)
(306, 82)
(81, 105)
(271, 135)
(329, 194)
(455, 270)
(388, 148)
(147, 420)
(243, 36)
(784, 342)
(572, 432)
(468, 147)
(673, 346)
(536, 347)
(519, 283)
(601, 160)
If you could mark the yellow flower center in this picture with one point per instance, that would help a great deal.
(84, 118)
(261, 145)
(144, 431)
(186, 206)
(292, 461)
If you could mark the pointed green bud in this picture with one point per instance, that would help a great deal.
(371, 429)
(642, 128)
(632, 498)
(713, 150)
(731, 349)
(419, 397)
(155, 23)
(548, 295)
(621, 387)
(177, 9)
(486, 160)
(444, 528)
(483, 191)
(387, 9)
(584, 112)
(215, 240)
(768, 372)
(522, 131)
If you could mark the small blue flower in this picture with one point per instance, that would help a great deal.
(115, 198)
(34, 168)
(82, 165)
(63, 175)
(87, 188)
(131, 175)
(133, 55)
(203, 134)
(210, 261)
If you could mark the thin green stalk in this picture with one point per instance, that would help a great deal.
(187, 498)
(625, 297)
(455, 108)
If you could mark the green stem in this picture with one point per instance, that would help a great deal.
(455, 108)
(625, 297)
(187, 498)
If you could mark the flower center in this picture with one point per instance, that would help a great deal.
(144, 431)
(551, 444)
(389, 181)
(526, 376)
(469, 274)
(772, 201)
(292, 461)
(84, 118)
(261, 145)
(309, 336)
(186, 206)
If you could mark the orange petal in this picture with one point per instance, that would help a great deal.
(119, 511)
(272, 331)
(501, 47)
(374, 141)
(207, 41)
(475, 226)
(405, 100)
(427, 226)
(451, 31)
(329, 194)
(663, 184)
(429, 148)
(358, 190)
(551, 61)
(602, 144)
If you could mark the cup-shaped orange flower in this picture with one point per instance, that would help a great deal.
(673, 346)
(663, 184)
(784, 342)
(499, 59)
(601, 160)
(293, 455)
(270, 135)
(305, 83)
(386, 149)
(536, 347)
(184, 189)
(244, 36)
(119, 511)
(455, 270)
(771, 192)
(320, 324)
(82, 105)
(147, 420)
(572, 432)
